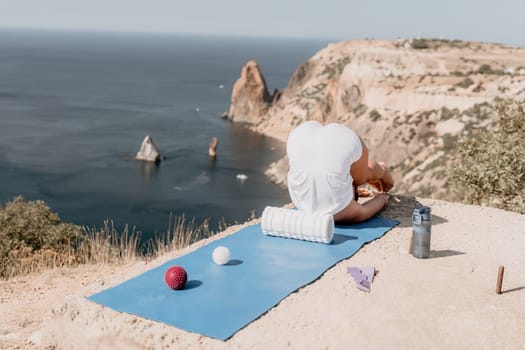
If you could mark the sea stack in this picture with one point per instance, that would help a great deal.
(250, 98)
(148, 151)
(212, 150)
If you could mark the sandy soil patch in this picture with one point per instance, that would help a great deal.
(447, 301)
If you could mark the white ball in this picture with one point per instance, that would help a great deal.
(221, 255)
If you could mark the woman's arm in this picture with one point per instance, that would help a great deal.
(356, 212)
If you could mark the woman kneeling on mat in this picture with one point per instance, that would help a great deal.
(327, 163)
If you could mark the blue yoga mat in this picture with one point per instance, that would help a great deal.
(219, 300)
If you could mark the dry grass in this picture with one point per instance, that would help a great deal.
(32, 239)
(179, 235)
(107, 245)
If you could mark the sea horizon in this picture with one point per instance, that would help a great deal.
(320, 40)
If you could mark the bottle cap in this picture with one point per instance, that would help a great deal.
(421, 214)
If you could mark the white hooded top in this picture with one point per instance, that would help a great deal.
(320, 157)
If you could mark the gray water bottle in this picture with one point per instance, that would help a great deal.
(421, 226)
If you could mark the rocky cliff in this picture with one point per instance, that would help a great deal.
(410, 100)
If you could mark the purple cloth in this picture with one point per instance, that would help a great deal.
(363, 278)
(369, 272)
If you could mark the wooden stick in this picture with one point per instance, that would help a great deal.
(411, 245)
(501, 270)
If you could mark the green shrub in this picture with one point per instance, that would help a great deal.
(433, 43)
(487, 69)
(360, 110)
(419, 44)
(29, 230)
(449, 113)
(478, 88)
(375, 115)
(489, 166)
(465, 83)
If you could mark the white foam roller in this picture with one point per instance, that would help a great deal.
(297, 224)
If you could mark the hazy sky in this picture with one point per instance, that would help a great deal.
(482, 20)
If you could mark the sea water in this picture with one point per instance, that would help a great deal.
(75, 107)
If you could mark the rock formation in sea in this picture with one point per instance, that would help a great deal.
(148, 151)
(250, 98)
(410, 100)
(212, 149)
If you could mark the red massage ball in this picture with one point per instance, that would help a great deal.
(176, 277)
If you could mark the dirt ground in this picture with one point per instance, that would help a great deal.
(446, 301)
